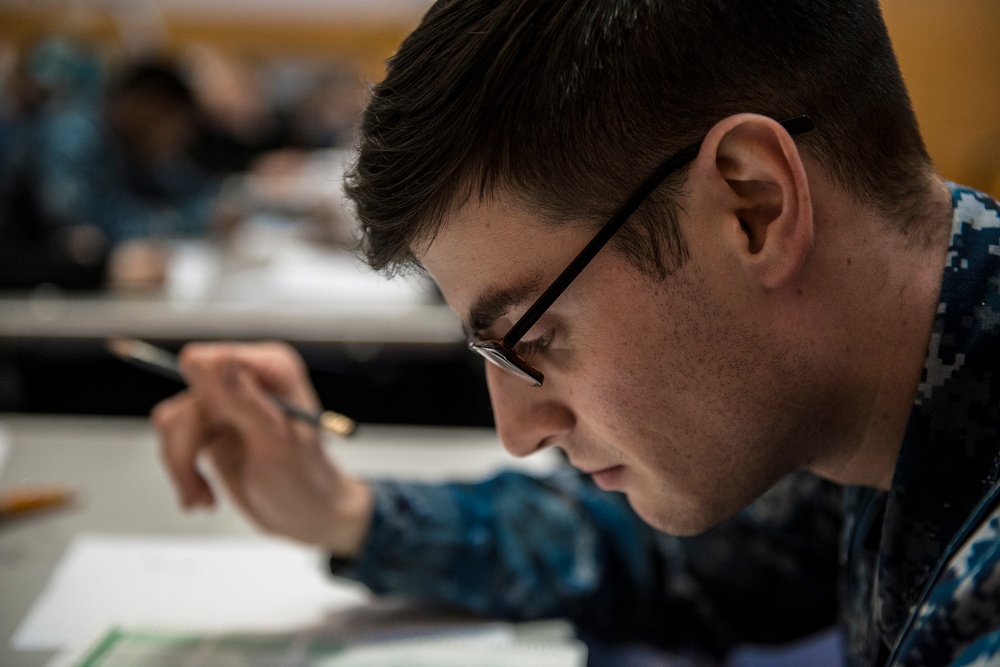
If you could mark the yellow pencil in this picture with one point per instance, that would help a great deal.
(21, 500)
(161, 362)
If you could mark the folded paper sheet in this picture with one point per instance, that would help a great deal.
(132, 600)
(212, 584)
(490, 647)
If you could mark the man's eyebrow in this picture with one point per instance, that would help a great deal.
(497, 302)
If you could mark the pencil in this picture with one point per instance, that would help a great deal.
(22, 500)
(162, 362)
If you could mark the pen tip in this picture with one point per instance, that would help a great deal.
(122, 347)
(338, 424)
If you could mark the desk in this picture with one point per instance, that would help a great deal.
(269, 284)
(394, 343)
(28, 317)
(113, 463)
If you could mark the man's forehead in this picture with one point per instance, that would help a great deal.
(481, 289)
(488, 258)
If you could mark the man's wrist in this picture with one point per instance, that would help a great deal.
(352, 514)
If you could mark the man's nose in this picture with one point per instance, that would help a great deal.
(527, 418)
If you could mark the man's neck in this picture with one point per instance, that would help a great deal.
(897, 280)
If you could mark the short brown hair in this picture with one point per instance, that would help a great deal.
(566, 105)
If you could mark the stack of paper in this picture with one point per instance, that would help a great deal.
(161, 601)
(495, 647)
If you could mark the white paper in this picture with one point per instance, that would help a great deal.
(304, 274)
(267, 263)
(484, 652)
(492, 645)
(185, 583)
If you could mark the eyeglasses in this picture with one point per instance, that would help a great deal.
(500, 351)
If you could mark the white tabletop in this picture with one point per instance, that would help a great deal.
(112, 463)
(33, 317)
(273, 285)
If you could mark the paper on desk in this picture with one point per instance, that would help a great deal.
(204, 583)
(489, 648)
(268, 263)
(303, 274)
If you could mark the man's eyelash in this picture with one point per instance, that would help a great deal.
(527, 348)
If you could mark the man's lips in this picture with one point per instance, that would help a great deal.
(608, 479)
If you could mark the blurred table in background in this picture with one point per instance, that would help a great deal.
(282, 288)
(380, 350)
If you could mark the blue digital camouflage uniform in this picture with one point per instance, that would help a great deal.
(912, 574)
(80, 173)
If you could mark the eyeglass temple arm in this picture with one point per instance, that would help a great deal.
(794, 125)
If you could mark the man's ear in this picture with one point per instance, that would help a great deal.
(757, 189)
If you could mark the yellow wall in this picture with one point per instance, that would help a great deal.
(949, 53)
(366, 42)
(950, 56)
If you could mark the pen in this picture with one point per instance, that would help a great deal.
(22, 500)
(161, 362)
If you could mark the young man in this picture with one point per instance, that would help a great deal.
(763, 316)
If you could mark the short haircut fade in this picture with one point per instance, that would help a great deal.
(565, 106)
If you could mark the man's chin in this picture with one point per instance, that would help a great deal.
(676, 517)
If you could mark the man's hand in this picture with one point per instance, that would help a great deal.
(274, 468)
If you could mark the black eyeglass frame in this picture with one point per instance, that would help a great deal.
(500, 351)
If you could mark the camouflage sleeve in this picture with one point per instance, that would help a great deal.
(521, 547)
(961, 606)
(984, 652)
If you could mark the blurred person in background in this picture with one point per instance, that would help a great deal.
(36, 247)
(289, 105)
(97, 171)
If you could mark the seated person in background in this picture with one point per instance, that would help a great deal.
(111, 160)
(250, 110)
(274, 124)
(35, 247)
(798, 318)
(238, 123)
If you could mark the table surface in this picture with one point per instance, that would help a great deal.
(103, 316)
(113, 464)
(269, 282)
